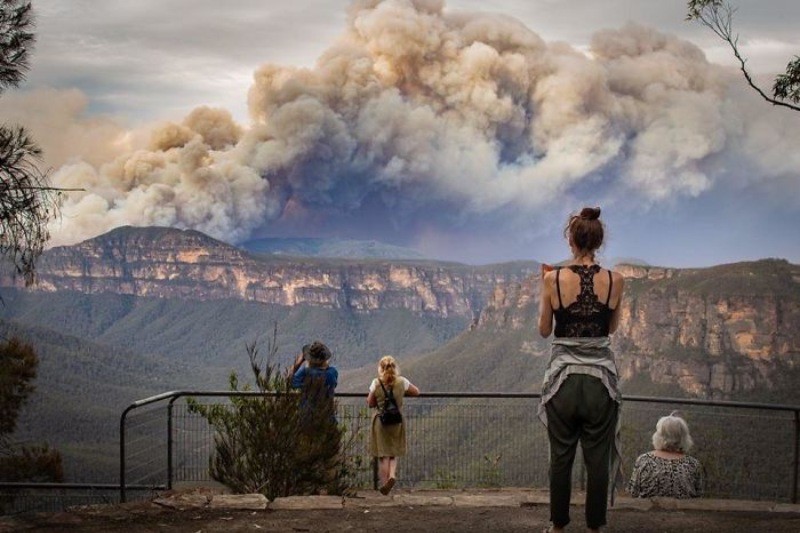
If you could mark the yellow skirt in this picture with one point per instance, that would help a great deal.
(387, 441)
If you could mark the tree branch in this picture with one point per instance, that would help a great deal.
(717, 15)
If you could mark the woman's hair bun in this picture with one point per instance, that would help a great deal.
(590, 213)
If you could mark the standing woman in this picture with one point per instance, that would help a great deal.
(388, 442)
(580, 399)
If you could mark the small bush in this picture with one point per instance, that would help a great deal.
(281, 443)
(35, 463)
(18, 363)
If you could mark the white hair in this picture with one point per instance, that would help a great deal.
(672, 435)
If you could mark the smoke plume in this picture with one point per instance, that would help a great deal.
(425, 114)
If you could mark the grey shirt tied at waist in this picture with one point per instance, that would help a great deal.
(584, 355)
(579, 355)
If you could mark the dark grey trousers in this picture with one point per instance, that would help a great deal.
(581, 410)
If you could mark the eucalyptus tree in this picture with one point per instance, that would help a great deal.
(27, 201)
(717, 15)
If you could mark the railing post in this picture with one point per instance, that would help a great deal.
(122, 460)
(796, 452)
(122, 418)
(169, 443)
(122, 453)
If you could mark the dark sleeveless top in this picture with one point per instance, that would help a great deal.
(586, 316)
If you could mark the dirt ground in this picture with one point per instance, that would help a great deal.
(147, 517)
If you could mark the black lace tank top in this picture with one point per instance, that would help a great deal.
(586, 316)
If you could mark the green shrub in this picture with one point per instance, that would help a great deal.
(35, 463)
(281, 443)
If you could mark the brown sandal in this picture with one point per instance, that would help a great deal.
(387, 487)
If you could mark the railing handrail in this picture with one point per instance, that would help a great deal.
(172, 396)
(75, 486)
(647, 399)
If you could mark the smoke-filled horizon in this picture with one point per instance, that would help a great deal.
(451, 132)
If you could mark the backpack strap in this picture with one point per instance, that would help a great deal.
(389, 395)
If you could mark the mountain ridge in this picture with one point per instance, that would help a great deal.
(187, 264)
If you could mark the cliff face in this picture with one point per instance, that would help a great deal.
(713, 332)
(168, 263)
(513, 306)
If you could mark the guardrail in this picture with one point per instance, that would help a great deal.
(495, 439)
(25, 497)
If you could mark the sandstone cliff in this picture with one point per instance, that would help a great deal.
(169, 263)
(713, 332)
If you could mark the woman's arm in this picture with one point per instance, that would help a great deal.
(409, 389)
(635, 483)
(545, 307)
(619, 286)
(372, 401)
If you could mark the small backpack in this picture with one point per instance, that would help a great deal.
(390, 415)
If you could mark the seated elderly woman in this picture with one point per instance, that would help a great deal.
(667, 470)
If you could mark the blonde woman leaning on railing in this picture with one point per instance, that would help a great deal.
(388, 442)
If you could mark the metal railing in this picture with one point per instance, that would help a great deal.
(27, 497)
(486, 439)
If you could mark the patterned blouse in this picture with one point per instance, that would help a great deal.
(673, 478)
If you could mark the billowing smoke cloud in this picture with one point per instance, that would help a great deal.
(419, 111)
(56, 121)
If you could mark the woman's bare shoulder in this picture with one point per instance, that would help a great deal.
(549, 278)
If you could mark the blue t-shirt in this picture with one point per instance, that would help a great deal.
(330, 375)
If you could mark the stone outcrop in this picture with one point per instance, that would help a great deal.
(512, 306)
(713, 332)
(170, 263)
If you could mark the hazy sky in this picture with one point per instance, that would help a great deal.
(690, 168)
